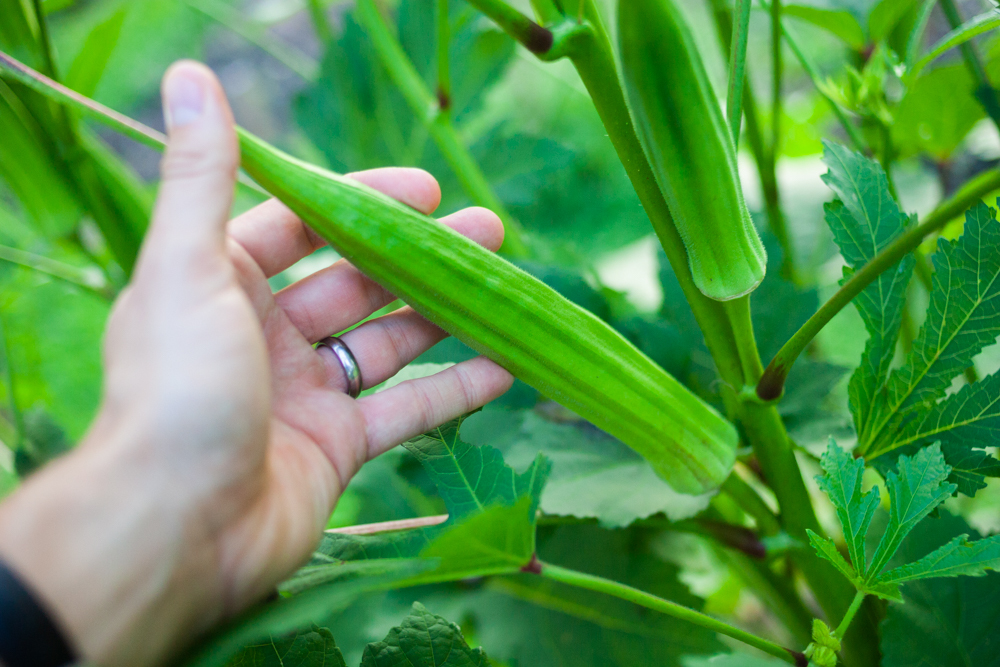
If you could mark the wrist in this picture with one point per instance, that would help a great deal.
(99, 537)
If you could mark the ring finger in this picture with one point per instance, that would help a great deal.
(381, 347)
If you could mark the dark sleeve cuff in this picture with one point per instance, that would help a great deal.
(28, 635)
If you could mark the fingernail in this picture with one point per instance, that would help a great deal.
(184, 99)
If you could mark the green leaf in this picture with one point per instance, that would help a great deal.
(470, 478)
(287, 614)
(885, 16)
(423, 640)
(963, 317)
(841, 23)
(965, 422)
(969, 467)
(828, 551)
(959, 557)
(491, 522)
(26, 165)
(92, 59)
(864, 220)
(593, 475)
(498, 540)
(937, 113)
(942, 622)
(855, 509)
(305, 648)
(914, 492)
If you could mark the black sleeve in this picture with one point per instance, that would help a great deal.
(28, 635)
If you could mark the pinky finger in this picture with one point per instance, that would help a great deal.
(416, 406)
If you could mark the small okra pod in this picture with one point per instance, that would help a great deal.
(688, 144)
(552, 344)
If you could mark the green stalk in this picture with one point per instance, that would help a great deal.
(443, 64)
(814, 77)
(985, 92)
(917, 33)
(751, 503)
(777, 593)
(849, 616)
(772, 383)
(547, 11)
(426, 108)
(737, 68)
(755, 138)
(776, 76)
(294, 60)
(60, 93)
(738, 311)
(321, 24)
(641, 598)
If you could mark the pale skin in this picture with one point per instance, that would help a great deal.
(224, 439)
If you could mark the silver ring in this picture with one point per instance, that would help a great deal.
(347, 362)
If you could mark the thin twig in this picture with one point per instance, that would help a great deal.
(389, 526)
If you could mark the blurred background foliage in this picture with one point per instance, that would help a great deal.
(304, 75)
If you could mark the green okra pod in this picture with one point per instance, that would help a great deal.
(506, 314)
(689, 147)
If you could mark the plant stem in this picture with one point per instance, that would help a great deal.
(849, 616)
(426, 109)
(917, 33)
(320, 22)
(636, 596)
(443, 65)
(294, 60)
(773, 380)
(985, 92)
(813, 74)
(737, 68)
(547, 11)
(54, 90)
(751, 503)
(738, 311)
(775, 592)
(776, 76)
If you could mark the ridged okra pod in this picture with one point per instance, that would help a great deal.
(562, 350)
(688, 144)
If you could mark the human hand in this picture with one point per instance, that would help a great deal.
(224, 439)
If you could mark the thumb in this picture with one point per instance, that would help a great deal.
(198, 171)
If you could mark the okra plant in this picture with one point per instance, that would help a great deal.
(574, 520)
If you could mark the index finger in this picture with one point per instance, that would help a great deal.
(276, 238)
